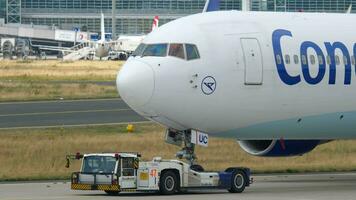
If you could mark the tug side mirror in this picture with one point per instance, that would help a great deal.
(77, 156)
(67, 163)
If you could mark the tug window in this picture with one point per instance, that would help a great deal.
(158, 50)
(176, 50)
(192, 51)
(99, 164)
(128, 168)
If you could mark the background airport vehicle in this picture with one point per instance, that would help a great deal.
(118, 55)
(116, 172)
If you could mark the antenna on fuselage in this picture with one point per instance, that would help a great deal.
(349, 9)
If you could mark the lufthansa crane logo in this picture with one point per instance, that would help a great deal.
(208, 85)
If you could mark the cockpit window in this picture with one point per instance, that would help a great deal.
(158, 50)
(176, 50)
(139, 50)
(192, 51)
(183, 51)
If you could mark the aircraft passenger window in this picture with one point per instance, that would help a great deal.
(312, 59)
(328, 60)
(279, 59)
(337, 60)
(304, 59)
(176, 50)
(345, 60)
(353, 60)
(158, 50)
(192, 51)
(320, 60)
(139, 50)
(287, 58)
(296, 59)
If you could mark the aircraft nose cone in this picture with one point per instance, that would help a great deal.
(135, 83)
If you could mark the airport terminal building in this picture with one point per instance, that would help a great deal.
(135, 16)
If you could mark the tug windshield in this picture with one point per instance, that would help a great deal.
(99, 164)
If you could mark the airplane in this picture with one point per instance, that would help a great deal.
(128, 43)
(279, 83)
(102, 47)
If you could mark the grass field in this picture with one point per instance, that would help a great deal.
(52, 79)
(28, 154)
(36, 70)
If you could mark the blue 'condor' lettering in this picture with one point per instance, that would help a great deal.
(281, 68)
(305, 66)
(331, 51)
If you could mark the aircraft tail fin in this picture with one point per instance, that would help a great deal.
(102, 27)
(349, 9)
(211, 5)
(155, 23)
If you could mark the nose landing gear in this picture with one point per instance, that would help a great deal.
(180, 138)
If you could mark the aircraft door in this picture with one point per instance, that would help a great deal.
(253, 61)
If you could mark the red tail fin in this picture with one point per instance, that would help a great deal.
(155, 23)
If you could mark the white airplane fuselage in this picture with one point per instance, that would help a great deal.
(129, 43)
(102, 49)
(244, 85)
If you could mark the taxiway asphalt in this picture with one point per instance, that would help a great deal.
(266, 187)
(66, 113)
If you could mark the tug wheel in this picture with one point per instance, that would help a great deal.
(238, 182)
(168, 183)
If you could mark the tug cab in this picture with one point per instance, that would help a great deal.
(111, 172)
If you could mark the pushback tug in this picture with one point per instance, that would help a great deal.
(116, 172)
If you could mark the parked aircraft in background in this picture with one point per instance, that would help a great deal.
(120, 49)
(102, 47)
(125, 43)
(279, 83)
(128, 43)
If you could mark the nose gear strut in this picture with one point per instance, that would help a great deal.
(180, 138)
